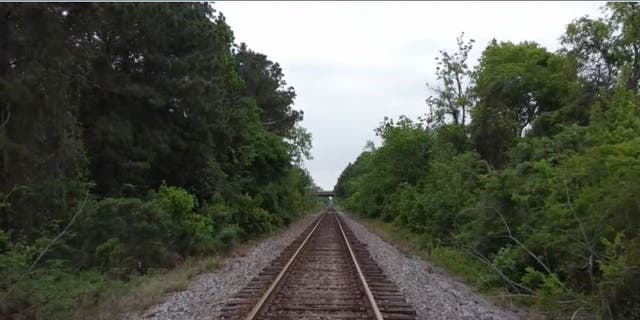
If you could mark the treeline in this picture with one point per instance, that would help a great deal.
(526, 169)
(135, 135)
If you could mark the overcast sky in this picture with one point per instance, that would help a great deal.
(353, 63)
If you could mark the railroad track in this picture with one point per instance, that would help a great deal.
(326, 273)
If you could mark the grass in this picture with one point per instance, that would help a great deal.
(452, 260)
(55, 291)
(141, 293)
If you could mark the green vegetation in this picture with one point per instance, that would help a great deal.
(134, 137)
(542, 186)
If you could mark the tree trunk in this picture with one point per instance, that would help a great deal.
(5, 66)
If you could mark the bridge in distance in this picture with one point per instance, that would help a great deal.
(324, 193)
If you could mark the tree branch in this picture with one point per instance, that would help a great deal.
(473, 252)
(588, 246)
(8, 116)
(42, 253)
(514, 239)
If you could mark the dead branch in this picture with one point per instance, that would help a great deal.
(474, 253)
(573, 316)
(42, 253)
(5, 119)
(514, 239)
(589, 246)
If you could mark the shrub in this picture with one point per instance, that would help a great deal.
(229, 236)
(124, 235)
(190, 231)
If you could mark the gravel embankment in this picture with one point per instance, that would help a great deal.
(204, 298)
(433, 294)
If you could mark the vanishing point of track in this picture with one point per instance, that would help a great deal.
(326, 273)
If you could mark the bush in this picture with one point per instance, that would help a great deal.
(461, 263)
(124, 235)
(250, 217)
(191, 231)
(229, 236)
(618, 289)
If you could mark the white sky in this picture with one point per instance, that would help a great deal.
(353, 63)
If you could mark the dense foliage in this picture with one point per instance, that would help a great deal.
(542, 186)
(134, 135)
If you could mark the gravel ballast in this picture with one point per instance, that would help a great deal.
(207, 294)
(433, 294)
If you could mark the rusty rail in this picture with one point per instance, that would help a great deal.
(326, 273)
(268, 294)
(363, 281)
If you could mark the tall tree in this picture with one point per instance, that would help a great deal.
(515, 84)
(43, 161)
(152, 104)
(454, 97)
(608, 48)
(264, 82)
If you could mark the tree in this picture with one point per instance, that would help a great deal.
(151, 104)
(455, 97)
(515, 84)
(43, 165)
(552, 212)
(106, 103)
(607, 49)
(264, 82)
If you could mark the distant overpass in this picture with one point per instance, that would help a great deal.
(324, 193)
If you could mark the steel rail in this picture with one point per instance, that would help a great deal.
(267, 295)
(367, 290)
